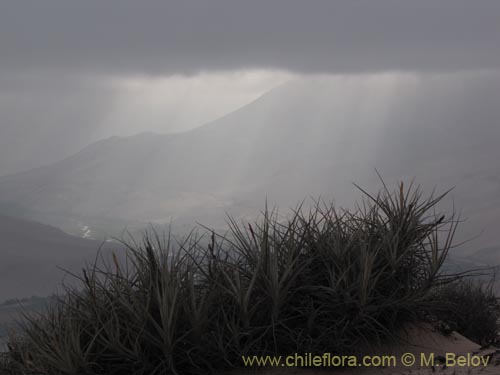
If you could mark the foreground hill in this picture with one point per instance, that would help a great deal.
(30, 254)
(305, 138)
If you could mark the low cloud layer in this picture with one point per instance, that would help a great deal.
(189, 36)
(75, 72)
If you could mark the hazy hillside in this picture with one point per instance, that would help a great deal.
(305, 138)
(30, 254)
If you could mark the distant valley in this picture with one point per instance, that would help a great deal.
(307, 138)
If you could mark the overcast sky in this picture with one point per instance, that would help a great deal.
(72, 72)
(169, 37)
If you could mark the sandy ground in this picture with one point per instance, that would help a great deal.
(419, 343)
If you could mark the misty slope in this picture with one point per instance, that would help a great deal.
(30, 253)
(302, 139)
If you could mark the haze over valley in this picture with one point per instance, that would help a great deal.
(308, 138)
(180, 113)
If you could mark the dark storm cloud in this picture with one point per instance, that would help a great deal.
(165, 37)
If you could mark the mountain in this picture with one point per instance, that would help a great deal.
(306, 138)
(31, 254)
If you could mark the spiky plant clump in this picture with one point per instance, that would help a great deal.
(471, 307)
(325, 280)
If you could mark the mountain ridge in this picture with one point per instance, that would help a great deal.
(40, 251)
(305, 138)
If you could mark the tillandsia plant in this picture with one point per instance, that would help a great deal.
(323, 280)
